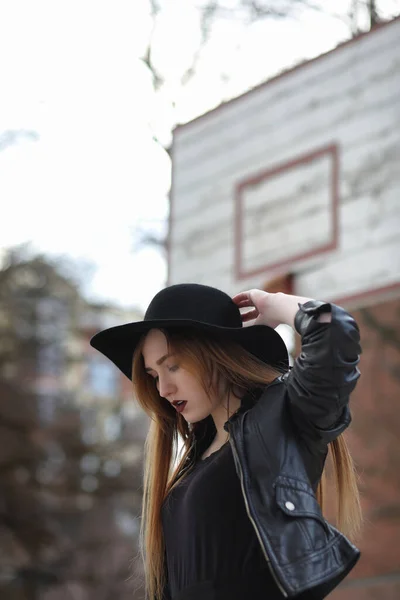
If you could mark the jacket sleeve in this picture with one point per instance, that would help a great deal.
(325, 373)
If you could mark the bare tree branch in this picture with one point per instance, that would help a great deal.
(208, 15)
(158, 80)
(374, 18)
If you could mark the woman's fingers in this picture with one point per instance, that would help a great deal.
(250, 315)
(257, 301)
(242, 296)
(242, 300)
(245, 304)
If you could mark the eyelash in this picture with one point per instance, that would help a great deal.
(170, 369)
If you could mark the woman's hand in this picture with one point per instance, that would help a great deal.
(260, 303)
(270, 309)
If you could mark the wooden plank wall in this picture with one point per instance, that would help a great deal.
(349, 98)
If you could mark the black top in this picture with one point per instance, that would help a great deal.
(209, 536)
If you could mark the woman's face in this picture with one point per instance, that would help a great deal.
(173, 382)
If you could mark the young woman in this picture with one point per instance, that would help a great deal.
(239, 516)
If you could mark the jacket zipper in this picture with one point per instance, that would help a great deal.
(246, 501)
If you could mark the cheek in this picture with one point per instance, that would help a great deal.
(185, 378)
(190, 386)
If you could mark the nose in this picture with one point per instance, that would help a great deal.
(166, 387)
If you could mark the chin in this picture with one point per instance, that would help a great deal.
(193, 420)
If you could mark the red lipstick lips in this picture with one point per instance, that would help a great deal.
(179, 405)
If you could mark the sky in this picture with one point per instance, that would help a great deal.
(80, 172)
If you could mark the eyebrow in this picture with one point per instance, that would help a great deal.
(159, 362)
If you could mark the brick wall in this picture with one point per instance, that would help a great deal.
(374, 440)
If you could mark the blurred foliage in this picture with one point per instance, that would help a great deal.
(69, 504)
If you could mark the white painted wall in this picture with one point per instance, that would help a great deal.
(349, 97)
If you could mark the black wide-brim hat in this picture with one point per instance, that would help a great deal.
(199, 307)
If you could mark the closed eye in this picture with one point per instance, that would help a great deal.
(170, 369)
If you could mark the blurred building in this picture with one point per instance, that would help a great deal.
(72, 441)
(104, 386)
(295, 186)
(46, 327)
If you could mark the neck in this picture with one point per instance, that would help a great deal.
(222, 413)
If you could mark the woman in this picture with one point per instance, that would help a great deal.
(239, 516)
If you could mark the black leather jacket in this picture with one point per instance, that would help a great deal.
(280, 443)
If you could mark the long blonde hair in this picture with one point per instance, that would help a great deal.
(210, 360)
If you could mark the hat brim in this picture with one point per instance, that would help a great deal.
(118, 343)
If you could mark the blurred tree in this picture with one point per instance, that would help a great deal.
(248, 12)
(68, 502)
(211, 12)
(373, 13)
